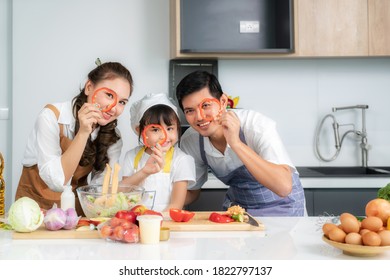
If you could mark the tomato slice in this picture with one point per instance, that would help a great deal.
(220, 218)
(179, 215)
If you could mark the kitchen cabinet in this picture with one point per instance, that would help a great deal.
(337, 201)
(379, 24)
(331, 28)
(212, 199)
(231, 29)
(319, 201)
(209, 200)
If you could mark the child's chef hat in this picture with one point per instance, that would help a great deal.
(139, 107)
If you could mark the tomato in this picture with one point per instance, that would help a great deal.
(220, 218)
(127, 215)
(118, 233)
(179, 215)
(106, 231)
(131, 235)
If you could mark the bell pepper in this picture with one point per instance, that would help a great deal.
(112, 105)
(220, 218)
(179, 215)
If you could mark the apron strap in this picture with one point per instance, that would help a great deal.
(57, 114)
(168, 159)
(138, 157)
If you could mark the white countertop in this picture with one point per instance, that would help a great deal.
(283, 239)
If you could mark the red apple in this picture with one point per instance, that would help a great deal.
(128, 215)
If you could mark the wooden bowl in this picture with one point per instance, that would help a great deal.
(357, 250)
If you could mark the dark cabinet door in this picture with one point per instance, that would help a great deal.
(338, 201)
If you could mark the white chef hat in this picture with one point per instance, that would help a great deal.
(139, 107)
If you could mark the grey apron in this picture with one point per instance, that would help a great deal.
(244, 190)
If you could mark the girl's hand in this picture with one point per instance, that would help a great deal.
(155, 163)
(88, 118)
(231, 127)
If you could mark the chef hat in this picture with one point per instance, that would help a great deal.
(139, 107)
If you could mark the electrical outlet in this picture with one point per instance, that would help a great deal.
(249, 26)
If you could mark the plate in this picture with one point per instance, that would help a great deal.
(357, 250)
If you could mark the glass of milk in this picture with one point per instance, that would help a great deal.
(149, 227)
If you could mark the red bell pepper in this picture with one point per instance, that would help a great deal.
(220, 218)
(179, 215)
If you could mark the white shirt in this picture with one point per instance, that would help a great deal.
(260, 135)
(43, 146)
(182, 165)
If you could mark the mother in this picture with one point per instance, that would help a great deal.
(75, 139)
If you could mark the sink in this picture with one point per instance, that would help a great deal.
(344, 171)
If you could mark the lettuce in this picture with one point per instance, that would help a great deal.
(384, 192)
(25, 215)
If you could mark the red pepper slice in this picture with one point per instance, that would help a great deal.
(145, 138)
(179, 215)
(112, 105)
(220, 218)
(202, 110)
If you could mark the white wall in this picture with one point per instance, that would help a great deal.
(55, 44)
(5, 92)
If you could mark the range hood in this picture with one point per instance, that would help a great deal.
(236, 26)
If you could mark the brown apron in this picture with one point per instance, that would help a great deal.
(31, 184)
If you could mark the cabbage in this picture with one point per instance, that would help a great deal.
(25, 215)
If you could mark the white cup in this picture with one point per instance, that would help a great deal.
(149, 227)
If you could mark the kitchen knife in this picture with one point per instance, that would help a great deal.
(250, 220)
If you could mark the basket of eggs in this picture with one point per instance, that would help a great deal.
(367, 236)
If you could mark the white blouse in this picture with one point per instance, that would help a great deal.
(43, 146)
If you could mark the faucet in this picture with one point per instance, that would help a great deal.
(363, 134)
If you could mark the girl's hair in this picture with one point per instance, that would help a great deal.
(197, 81)
(95, 152)
(157, 114)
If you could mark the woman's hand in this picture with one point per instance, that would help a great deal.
(155, 162)
(231, 127)
(88, 118)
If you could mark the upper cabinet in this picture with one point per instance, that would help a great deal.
(319, 28)
(378, 26)
(222, 28)
(332, 28)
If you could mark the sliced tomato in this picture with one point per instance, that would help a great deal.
(179, 215)
(220, 218)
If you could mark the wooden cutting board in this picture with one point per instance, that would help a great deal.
(199, 222)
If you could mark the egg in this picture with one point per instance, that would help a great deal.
(349, 223)
(371, 239)
(353, 238)
(385, 237)
(337, 235)
(328, 227)
(372, 223)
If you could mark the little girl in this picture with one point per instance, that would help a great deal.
(160, 167)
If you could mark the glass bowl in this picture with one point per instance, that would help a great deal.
(95, 204)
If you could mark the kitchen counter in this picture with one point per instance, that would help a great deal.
(297, 238)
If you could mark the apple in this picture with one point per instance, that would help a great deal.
(128, 215)
(139, 209)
